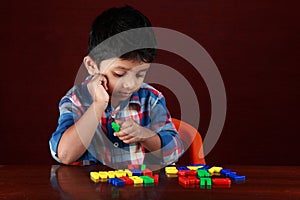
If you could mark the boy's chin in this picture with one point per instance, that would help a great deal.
(120, 99)
(121, 96)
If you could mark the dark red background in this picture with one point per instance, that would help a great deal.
(254, 43)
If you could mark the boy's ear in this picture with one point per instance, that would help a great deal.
(90, 65)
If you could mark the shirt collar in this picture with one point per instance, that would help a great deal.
(135, 99)
(132, 102)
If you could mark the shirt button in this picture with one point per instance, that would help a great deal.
(116, 144)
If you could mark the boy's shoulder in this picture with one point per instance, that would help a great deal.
(78, 94)
(148, 95)
(78, 90)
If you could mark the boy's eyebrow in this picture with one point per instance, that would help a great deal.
(142, 70)
(121, 67)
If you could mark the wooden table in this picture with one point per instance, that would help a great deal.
(72, 182)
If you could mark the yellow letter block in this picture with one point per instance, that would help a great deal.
(120, 173)
(194, 167)
(111, 174)
(171, 170)
(94, 176)
(136, 179)
(128, 172)
(214, 169)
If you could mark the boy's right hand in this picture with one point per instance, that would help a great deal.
(98, 89)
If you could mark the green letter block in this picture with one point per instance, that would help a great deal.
(115, 126)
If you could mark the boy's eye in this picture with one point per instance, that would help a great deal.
(118, 74)
(140, 75)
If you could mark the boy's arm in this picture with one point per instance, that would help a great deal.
(76, 139)
(161, 124)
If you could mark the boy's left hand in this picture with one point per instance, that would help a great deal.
(132, 132)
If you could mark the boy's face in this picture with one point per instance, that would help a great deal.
(124, 77)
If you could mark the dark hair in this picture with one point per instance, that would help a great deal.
(117, 20)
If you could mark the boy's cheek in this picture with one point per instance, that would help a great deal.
(110, 88)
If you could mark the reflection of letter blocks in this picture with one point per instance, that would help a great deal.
(205, 182)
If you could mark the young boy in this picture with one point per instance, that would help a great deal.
(114, 92)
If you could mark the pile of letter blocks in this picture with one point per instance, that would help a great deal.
(203, 175)
(188, 176)
(134, 175)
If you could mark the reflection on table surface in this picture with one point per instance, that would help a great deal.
(73, 182)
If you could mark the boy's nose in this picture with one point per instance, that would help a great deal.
(129, 83)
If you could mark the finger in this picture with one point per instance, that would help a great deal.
(120, 134)
(126, 137)
(101, 80)
(129, 141)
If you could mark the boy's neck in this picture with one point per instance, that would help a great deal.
(114, 103)
(117, 103)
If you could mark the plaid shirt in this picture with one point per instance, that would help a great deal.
(147, 107)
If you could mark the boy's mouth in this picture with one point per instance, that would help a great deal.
(125, 94)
